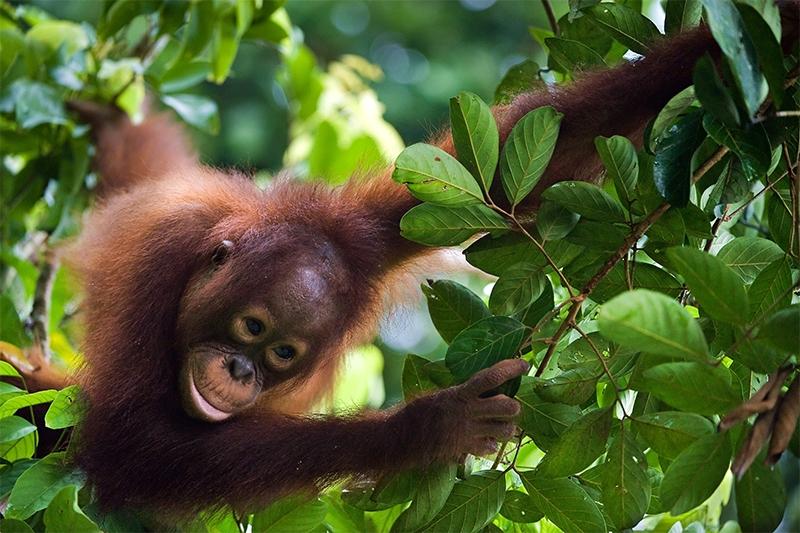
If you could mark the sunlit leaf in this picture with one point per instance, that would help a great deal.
(626, 485)
(64, 513)
(483, 344)
(453, 307)
(694, 387)
(293, 514)
(519, 507)
(518, 287)
(438, 225)
(66, 409)
(38, 485)
(565, 503)
(475, 136)
(672, 165)
(625, 25)
(748, 256)
(198, 111)
(586, 199)
(578, 446)
(472, 503)
(669, 432)
(619, 157)
(435, 176)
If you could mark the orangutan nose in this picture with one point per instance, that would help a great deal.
(241, 368)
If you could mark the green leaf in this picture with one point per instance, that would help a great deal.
(527, 151)
(435, 176)
(10, 323)
(198, 111)
(122, 12)
(472, 504)
(9, 407)
(748, 256)
(66, 409)
(293, 514)
(573, 387)
(6, 369)
(543, 421)
(9, 525)
(453, 307)
(696, 473)
(669, 115)
(494, 254)
(682, 15)
(475, 136)
(520, 78)
(34, 104)
(586, 199)
(64, 513)
(223, 50)
(771, 290)
(437, 225)
(781, 330)
(553, 222)
(483, 344)
(692, 386)
(760, 498)
(752, 146)
(578, 446)
(433, 489)
(672, 164)
(198, 32)
(519, 507)
(728, 30)
(244, 15)
(573, 55)
(38, 485)
(669, 432)
(539, 308)
(645, 276)
(627, 26)
(421, 375)
(625, 485)
(767, 48)
(184, 76)
(651, 322)
(565, 503)
(622, 165)
(713, 94)
(781, 222)
(714, 285)
(518, 287)
(13, 428)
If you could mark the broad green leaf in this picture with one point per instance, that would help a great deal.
(622, 165)
(122, 12)
(13, 331)
(713, 94)
(696, 473)
(10, 525)
(771, 290)
(34, 104)
(578, 446)
(781, 223)
(627, 26)
(553, 222)
(782, 330)
(64, 513)
(768, 49)
(748, 256)
(520, 78)
(565, 503)
(437, 225)
(714, 285)
(543, 421)
(495, 254)
(9, 407)
(651, 322)
(625, 485)
(572, 55)
(483, 344)
(475, 136)
(293, 514)
(596, 236)
(572, 387)
(435, 176)
(433, 488)
(421, 375)
(751, 146)
(584, 30)
(586, 199)
(198, 111)
(728, 30)
(199, 29)
(223, 50)
(645, 276)
(760, 498)
(13, 428)
(66, 409)
(518, 287)
(38, 485)
(453, 307)
(55, 34)
(692, 386)
(6, 369)
(527, 151)
(519, 507)
(669, 432)
(672, 164)
(540, 307)
(756, 354)
(682, 15)
(472, 504)
(669, 115)
(244, 15)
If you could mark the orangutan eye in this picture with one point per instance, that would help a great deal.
(255, 327)
(284, 352)
(221, 253)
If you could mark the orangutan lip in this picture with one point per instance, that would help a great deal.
(210, 412)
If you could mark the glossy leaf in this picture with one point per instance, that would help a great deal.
(436, 225)
(622, 165)
(435, 176)
(670, 114)
(693, 387)
(767, 48)
(38, 485)
(586, 199)
(625, 483)
(64, 513)
(748, 256)
(519, 507)
(625, 25)
(198, 111)
(66, 409)
(682, 15)
(672, 165)
(453, 307)
(483, 344)
(475, 136)
(472, 504)
(771, 290)
(527, 151)
(293, 514)
(518, 287)
(578, 446)
(752, 146)
(433, 489)
(669, 432)
(565, 503)
(9, 407)
(713, 94)
(554, 222)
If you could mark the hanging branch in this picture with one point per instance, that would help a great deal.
(40, 312)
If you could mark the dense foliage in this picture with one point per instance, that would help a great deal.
(651, 308)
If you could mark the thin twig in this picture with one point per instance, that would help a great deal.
(600, 358)
(715, 228)
(769, 186)
(551, 17)
(568, 322)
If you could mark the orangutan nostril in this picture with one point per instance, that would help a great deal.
(241, 368)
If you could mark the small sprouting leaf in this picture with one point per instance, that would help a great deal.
(760, 498)
(483, 344)
(518, 287)
(453, 307)
(293, 514)
(38, 485)
(771, 289)
(728, 30)
(672, 164)
(622, 165)
(586, 199)
(625, 486)
(437, 225)
(475, 136)
(433, 488)
(578, 446)
(472, 503)
(565, 503)
(527, 151)
(714, 285)
(651, 322)
(691, 386)
(669, 432)
(713, 94)
(435, 176)
(696, 473)
(66, 409)
(748, 256)
(519, 507)
(625, 25)
(781, 330)
(682, 15)
(198, 111)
